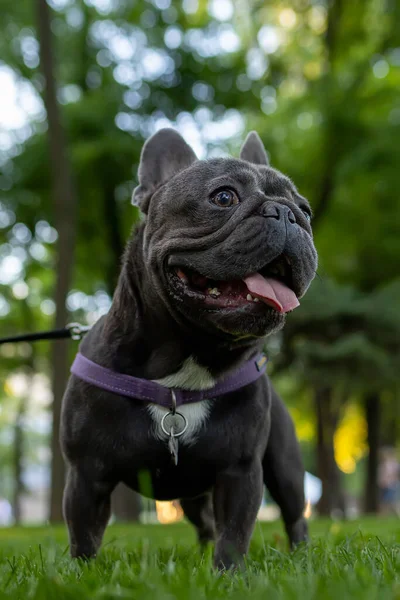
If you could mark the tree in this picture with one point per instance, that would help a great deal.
(65, 201)
(342, 342)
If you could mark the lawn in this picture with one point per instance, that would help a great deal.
(153, 562)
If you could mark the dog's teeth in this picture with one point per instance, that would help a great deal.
(256, 300)
(249, 297)
(214, 292)
(181, 275)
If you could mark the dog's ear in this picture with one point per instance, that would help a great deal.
(253, 150)
(163, 156)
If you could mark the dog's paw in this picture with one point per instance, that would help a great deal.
(298, 532)
(231, 561)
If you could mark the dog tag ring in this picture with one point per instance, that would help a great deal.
(173, 413)
(172, 433)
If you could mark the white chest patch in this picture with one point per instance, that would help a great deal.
(191, 376)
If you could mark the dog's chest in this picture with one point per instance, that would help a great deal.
(194, 377)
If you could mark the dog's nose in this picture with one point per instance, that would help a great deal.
(280, 212)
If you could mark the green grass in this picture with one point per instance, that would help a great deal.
(353, 560)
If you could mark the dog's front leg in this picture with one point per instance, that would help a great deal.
(86, 507)
(237, 499)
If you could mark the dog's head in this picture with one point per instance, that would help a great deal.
(227, 242)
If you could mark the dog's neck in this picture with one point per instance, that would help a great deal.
(140, 337)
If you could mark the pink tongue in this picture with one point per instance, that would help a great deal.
(272, 292)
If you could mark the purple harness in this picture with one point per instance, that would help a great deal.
(150, 391)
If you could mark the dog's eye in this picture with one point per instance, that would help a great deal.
(225, 198)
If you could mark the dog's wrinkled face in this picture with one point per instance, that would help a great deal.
(228, 243)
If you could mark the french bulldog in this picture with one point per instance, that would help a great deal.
(224, 251)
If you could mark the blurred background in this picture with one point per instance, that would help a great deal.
(82, 85)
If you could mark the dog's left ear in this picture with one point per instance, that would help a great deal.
(163, 156)
(253, 150)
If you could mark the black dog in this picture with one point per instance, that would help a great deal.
(225, 250)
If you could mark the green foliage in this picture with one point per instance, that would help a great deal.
(319, 80)
(342, 336)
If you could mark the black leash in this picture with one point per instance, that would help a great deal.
(74, 331)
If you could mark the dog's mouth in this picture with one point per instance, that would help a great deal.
(271, 286)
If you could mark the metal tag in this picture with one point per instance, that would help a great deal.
(173, 446)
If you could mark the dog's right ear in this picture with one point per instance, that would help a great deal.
(163, 156)
(253, 150)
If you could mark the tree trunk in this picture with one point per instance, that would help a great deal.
(65, 201)
(18, 458)
(326, 185)
(373, 413)
(125, 504)
(332, 499)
